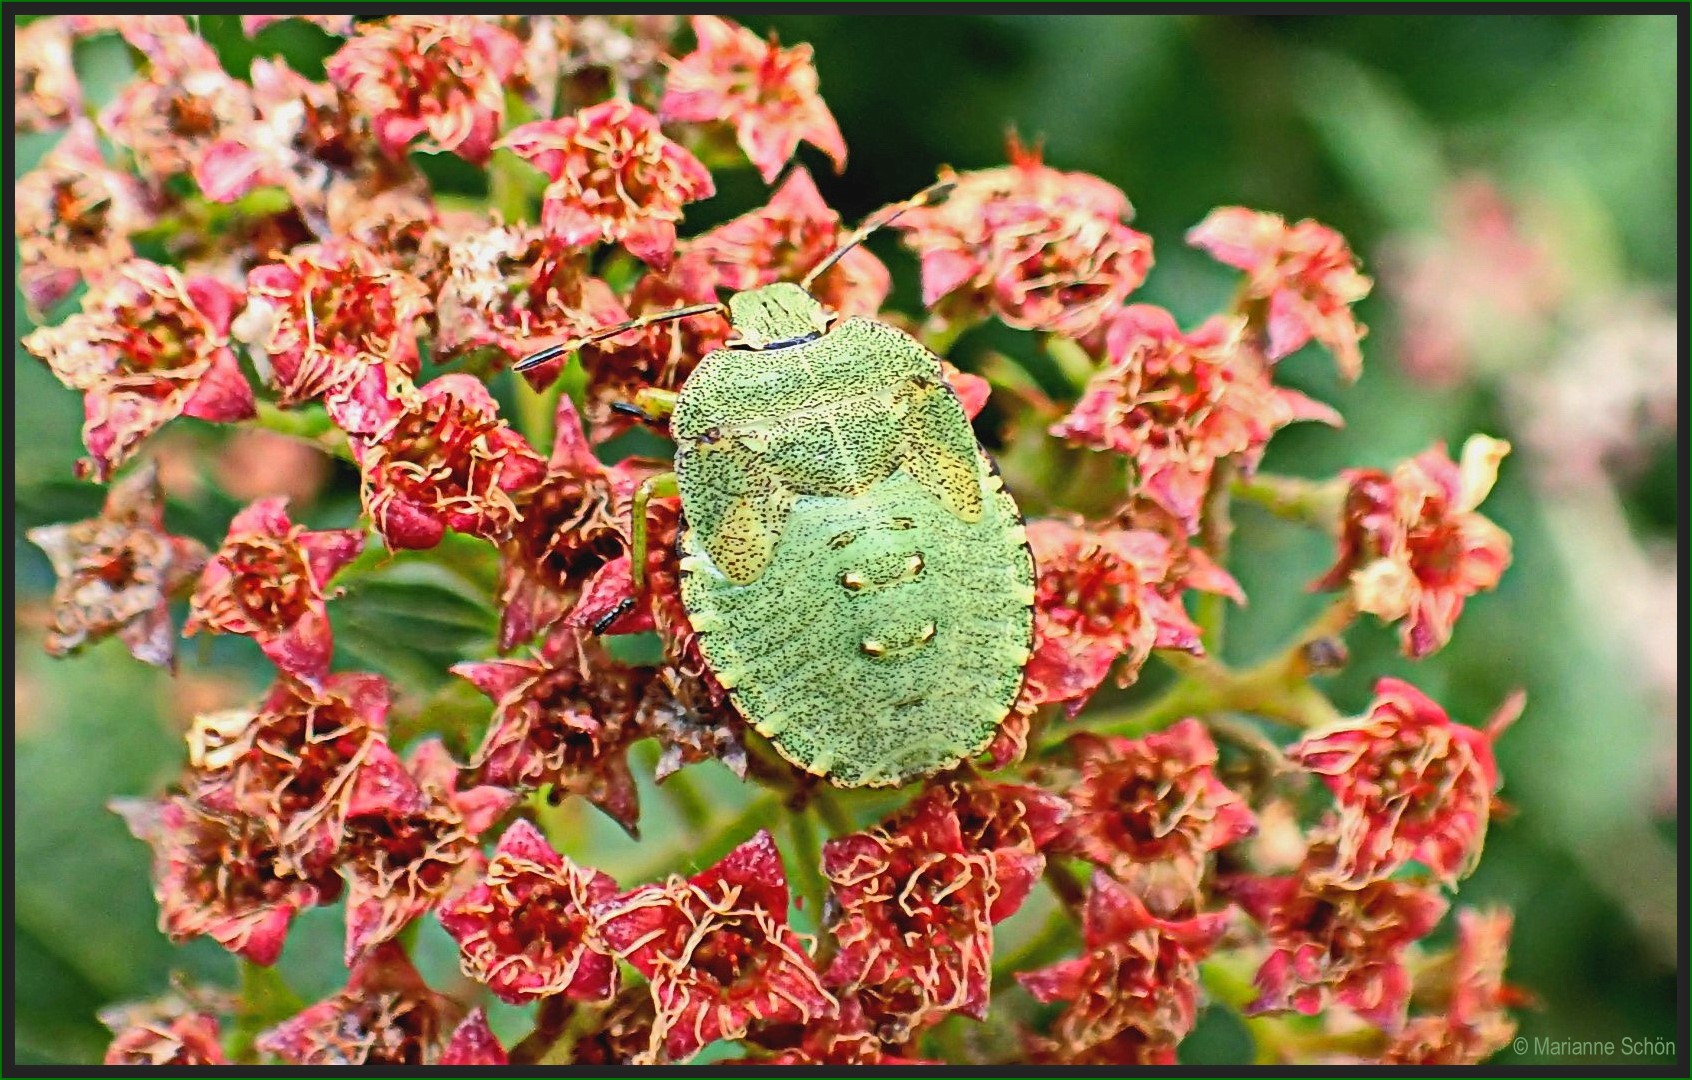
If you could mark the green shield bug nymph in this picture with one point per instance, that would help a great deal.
(859, 578)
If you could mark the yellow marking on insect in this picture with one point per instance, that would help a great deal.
(928, 632)
(913, 565)
(873, 647)
(691, 563)
(852, 580)
(729, 678)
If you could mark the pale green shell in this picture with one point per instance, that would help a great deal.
(859, 578)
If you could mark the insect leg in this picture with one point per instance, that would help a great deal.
(624, 606)
(662, 485)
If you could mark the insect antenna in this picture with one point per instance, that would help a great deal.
(930, 194)
(553, 352)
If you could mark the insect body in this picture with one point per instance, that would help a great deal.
(858, 576)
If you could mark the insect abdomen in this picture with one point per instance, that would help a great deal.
(887, 638)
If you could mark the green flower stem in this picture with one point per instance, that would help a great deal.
(1307, 502)
(1216, 531)
(688, 803)
(265, 1000)
(806, 862)
(1071, 360)
(535, 410)
(1278, 689)
(310, 425)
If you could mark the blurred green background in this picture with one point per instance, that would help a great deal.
(1552, 325)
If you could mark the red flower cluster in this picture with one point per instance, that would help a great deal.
(293, 230)
(1041, 249)
(1176, 404)
(1413, 548)
(1304, 275)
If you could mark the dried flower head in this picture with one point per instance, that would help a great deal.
(768, 93)
(438, 76)
(1304, 275)
(183, 1038)
(717, 951)
(1329, 944)
(217, 874)
(1175, 404)
(386, 1015)
(785, 240)
(336, 323)
(1150, 810)
(292, 763)
(526, 929)
(1134, 993)
(411, 837)
(1039, 248)
(1410, 785)
(74, 215)
(45, 91)
(118, 571)
(186, 103)
(917, 909)
(614, 177)
(516, 289)
(574, 522)
(1413, 548)
(1098, 599)
(446, 461)
(269, 580)
(148, 345)
(565, 719)
(1476, 1023)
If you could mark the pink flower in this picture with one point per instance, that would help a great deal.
(268, 582)
(186, 103)
(190, 1038)
(411, 836)
(565, 719)
(446, 461)
(768, 93)
(1133, 994)
(1304, 275)
(1098, 599)
(717, 951)
(917, 909)
(336, 323)
(73, 216)
(1413, 548)
(1176, 404)
(1039, 248)
(1154, 806)
(45, 91)
(517, 289)
(385, 1016)
(438, 76)
(217, 874)
(1329, 944)
(785, 240)
(1476, 1023)
(526, 928)
(292, 764)
(1410, 785)
(148, 345)
(117, 572)
(615, 177)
